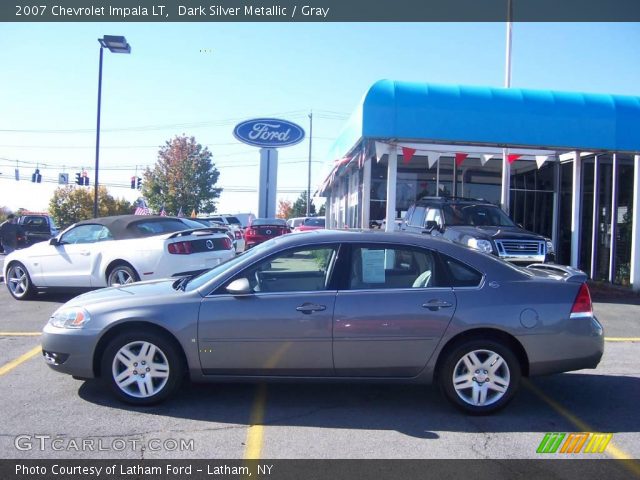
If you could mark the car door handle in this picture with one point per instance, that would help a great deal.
(437, 304)
(85, 252)
(310, 307)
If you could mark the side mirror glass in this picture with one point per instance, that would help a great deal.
(53, 241)
(430, 225)
(239, 286)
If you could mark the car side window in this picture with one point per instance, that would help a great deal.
(298, 270)
(378, 267)
(86, 234)
(417, 218)
(462, 275)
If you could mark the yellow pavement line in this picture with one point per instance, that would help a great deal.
(622, 339)
(20, 334)
(612, 450)
(255, 434)
(7, 367)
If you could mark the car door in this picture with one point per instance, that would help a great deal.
(70, 262)
(392, 312)
(282, 327)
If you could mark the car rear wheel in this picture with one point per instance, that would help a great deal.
(121, 275)
(19, 282)
(142, 368)
(480, 376)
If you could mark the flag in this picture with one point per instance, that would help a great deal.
(512, 157)
(407, 153)
(381, 149)
(460, 157)
(180, 214)
(142, 209)
(193, 213)
(432, 158)
(540, 159)
(485, 158)
(162, 212)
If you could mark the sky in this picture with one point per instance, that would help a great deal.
(201, 79)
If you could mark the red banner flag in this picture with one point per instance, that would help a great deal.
(512, 158)
(407, 153)
(460, 157)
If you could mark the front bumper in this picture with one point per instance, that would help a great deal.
(69, 351)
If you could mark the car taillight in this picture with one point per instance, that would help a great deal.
(238, 234)
(251, 231)
(227, 243)
(582, 304)
(181, 248)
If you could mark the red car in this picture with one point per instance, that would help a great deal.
(262, 229)
(311, 223)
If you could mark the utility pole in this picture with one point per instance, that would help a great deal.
(506, 167)
(309, 170)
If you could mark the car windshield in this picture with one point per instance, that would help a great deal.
(314, 222)
(476, 215)
(233, 221)
(268, 221)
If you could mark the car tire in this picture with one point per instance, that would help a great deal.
(480, 376)
(121, 274)
(142, 368)
(19, 282)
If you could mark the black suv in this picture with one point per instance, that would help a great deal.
(478, 224)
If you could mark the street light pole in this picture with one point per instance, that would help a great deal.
(115, 44)
(309, 169)
(95, 181)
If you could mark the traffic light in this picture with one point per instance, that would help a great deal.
(133, 183)
(85, 178)
(36, 177)
(139, 183)
(78, 178)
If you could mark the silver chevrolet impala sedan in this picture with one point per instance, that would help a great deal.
(338, 306)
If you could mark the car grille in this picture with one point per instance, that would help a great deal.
(525, 250)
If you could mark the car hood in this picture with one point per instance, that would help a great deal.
(152, 290)
(495, 233)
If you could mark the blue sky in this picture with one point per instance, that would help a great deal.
(202, 78)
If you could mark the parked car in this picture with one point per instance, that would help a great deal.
(233, 232)
(311, 223)
(480, 225)
(34, 228)
(244, 219)
(115, 250)
(295, 222)
(263, 229)
(330, 305)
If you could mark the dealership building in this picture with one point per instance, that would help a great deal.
(564, 165)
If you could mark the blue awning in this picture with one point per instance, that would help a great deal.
(515, 117)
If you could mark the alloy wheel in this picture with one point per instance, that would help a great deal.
(18, 281)
(481, 377)
(140, 369)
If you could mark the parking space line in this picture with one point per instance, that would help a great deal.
(612, 450)
(255, 434)
(7, 367)
(622, 339)
(20, 334)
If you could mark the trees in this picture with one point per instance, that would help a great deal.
(183, 177)
(299, 208)
(71, 204)
(284, 209)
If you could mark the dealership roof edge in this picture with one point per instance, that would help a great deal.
(489, 115)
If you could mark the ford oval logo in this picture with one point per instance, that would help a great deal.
(268, 132)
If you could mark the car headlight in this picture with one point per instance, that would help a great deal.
(482, 245)
(550, 248)
(73, 317)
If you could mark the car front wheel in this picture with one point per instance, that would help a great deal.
(19, 282)
(480, 376)
(142, 368)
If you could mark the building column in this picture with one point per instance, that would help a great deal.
(328, 211)
(366, 193)
(392, 179)
(506, 182)
(595, 219)
(576, 201)
(614, 219)
(635, 227)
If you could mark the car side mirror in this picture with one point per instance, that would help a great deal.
(54, 241)
(239, 286)
(430, 226)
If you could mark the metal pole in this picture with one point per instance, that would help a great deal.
(95, 182)
(506, 167)
(309, 170)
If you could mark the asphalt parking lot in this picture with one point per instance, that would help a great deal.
(46, 415)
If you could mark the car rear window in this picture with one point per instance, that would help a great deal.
(234, 220)
(314, 222)
(268, 221)
(157, 227)
(461, 274)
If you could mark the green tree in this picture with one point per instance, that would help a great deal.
(299, 208)
(184, 176)
(323, 210)
(70, 204)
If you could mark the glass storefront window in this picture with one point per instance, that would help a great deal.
(623, 216)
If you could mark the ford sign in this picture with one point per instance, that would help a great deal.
(268, 132)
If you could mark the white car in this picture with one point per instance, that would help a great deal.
(116, 250)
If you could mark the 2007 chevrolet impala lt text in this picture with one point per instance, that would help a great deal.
(339, 306)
